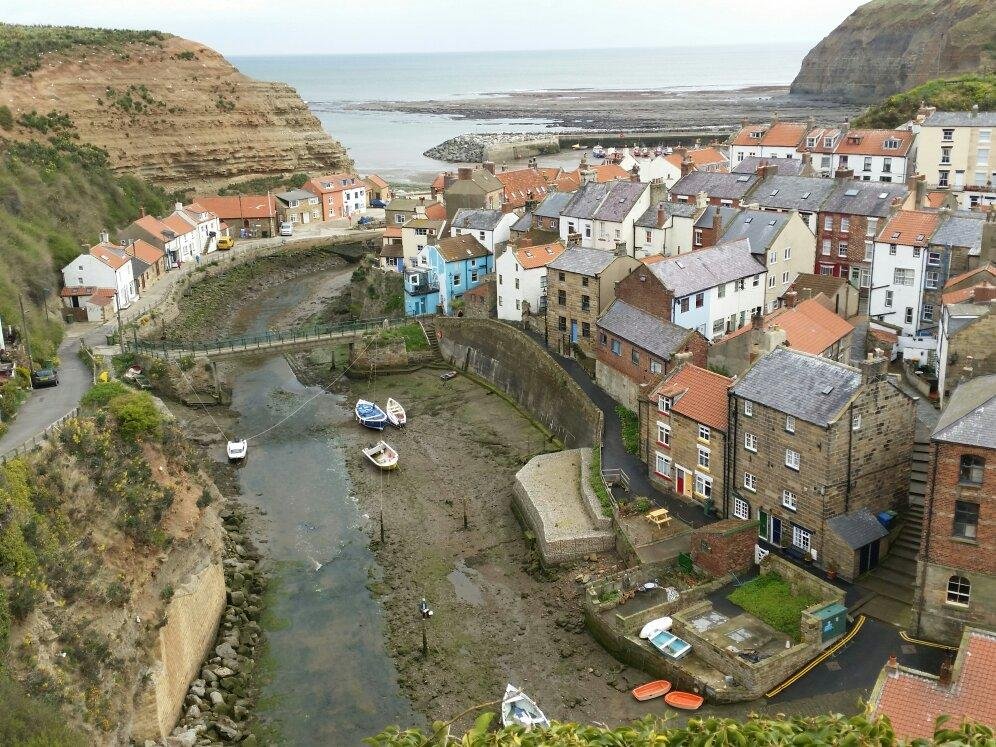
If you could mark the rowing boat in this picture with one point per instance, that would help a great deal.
(382, 455)
(369, 415)
(237, 450)
(395, 413)
(518, 708)
(651, 690)
(684, 701)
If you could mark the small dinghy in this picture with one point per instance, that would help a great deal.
(237, 450)
(670, 645)
(684, 701)
(519, 709)
(382, 455)
(369, 415)
(651, 690)
(654, 627)
(395, 413)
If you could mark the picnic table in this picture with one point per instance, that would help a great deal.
(659, 518)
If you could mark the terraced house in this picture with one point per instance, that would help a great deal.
(817, 449)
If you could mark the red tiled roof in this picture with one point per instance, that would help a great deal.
(440, 181)
(700, 157)
(810, 326)
(102, 296)
(392, 232)
(177, 224)
(910, 228)
(703, 395)
(317, 183)
(111, 255)
(610, 172)
(435, 211)
(520, 183)
(990, 269)
(531, 257)
(935, 199)
(913, 700)
(239, 207)
(376, 181)
(820, 134)
(872, 142)
(884, 335)
(778, 135)
(151, 224)
(964, 294)
(146, 252)
(74, 291)
(569, 181)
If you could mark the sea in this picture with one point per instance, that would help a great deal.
(391, 143)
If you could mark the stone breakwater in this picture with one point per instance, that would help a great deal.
(493, 146)
(219, 703)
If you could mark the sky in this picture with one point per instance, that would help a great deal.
(245, 27)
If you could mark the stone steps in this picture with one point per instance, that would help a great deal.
(887, 588)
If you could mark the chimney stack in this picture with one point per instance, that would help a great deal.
(661, 215)
(873, 367)
(141, 209)
(701, 200)
(790, 298)
(975, 111)
(985, 293)
(681, 151)
(489, 166)
(634, 173)
(917, 185)
(717, 223)
(687, 165)
(448, 180)
(178, 206)
(843, 174)
(765, 169)
(104, 236)
(464, 173)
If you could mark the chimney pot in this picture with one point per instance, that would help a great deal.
(490, 166)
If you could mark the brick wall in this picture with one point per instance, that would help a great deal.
(642, 289)
(623, 378)
(939, 620)
(724, 547)
(854, 237)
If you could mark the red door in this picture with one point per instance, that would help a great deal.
(680, 482)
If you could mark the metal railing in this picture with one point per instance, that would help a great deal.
(39, 438)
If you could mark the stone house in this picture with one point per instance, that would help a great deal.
(727, 190)
(148, 262)
(724, 547)
(683, 430)
(835, 293)
(710, 224)
(816, 450)
(298, 207)
(581, 283)
(473, 189)
(955, 248)
(665, 228)
(377, 189)
(341, 195)
(247, 216)
(634, 348)
(956, 571)
(966, 332)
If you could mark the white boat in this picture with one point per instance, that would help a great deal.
(382, 455)
(395, 413)
(237, 450)
(369, 415)
(519, 709)
(652, 628)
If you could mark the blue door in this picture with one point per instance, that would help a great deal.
(776, 531)
(574, 331)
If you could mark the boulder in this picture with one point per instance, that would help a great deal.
(216, 697)
(225, 651)
(227, 729)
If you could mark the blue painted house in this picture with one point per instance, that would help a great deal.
(444, 272)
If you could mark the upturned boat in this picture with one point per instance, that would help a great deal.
(369, 415)
(518, 708)
(654, 627)
(395, 413)
(382, 455)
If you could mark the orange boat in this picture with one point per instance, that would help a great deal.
(683, 700)
(651, 690)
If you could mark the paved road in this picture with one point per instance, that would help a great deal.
(44, 406)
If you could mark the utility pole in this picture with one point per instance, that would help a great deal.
(27, 341)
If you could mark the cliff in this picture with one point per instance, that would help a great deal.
(164, 108)
(887, 46)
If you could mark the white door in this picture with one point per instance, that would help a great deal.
(305, 217)
(959, 179)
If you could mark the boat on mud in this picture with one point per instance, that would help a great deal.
(670, 645)
(598, 152)
(684, 701)
(237, 450)
(370, 415)
(395, 413)
(519, 709)
(651, 690)
(382, 455)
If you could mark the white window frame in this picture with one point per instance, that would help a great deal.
(789, 424)
(789, 500)
(704, 457)
(706, 485)
(664, 404)
(856, 421)
(802, 538)
(748, 408)
(959, 594)
(741, 508)
(793, 459)
(663, 434)
(750, 442)
(659, 460)
(750, 482)
(704, 433)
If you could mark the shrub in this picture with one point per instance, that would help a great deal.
(630, 425)
(6, 118)
(100, 394)
(597, 483)
(5, 622)
(137, 415)
(186, 362)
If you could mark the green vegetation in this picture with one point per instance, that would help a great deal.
(954, 94)
(22, 47)
(597, 483)
(32, 721)
(265, 184)
(52, 122)
(100, 394)
(630, 424)
(698, 732)
(770, 598)
(412, 334)
(137, 415)
(134, 99)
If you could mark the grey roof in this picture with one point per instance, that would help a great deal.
(654, 335)
(706, 268)
(857, 528)
(760, 226)
(872, 199)
(961, 230)
(620, 200)
(585, 200)
(553, 205)
(804, 193)
(481, 180)
(403, 204)
(674, 209)
(726, 214)
(970, 415)
(961, 119)
(295, 194)
(477, 219)
(808, 387)
(524, 223)
(139, 266)
(582, 261)
(715, 184)
(784, 166)
(962, 315)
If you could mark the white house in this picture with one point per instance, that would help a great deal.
(491, 228)
(206, 224)
(3, 344)
(521, 280)
(417, 234)
(105, 266)
(716, 290)
(876, 155)
(666, 228)
(775, 140)
(603, 214)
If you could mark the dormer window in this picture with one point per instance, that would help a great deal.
(810, 142)
(756, 134)
(828, 142)
(891, 144)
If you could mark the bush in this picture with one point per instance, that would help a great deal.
(100, 394)
(5, 622)
(137, 415)
(597, 483)
(630, 424)
(6, 118)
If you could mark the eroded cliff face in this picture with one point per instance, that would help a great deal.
(887, 46)
(176, 113)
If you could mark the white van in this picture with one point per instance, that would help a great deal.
(286, 229)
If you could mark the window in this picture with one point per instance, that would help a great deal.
(916, 249)
(790, 424)
(585, 329)
(972, 467)
(787, 254)
(634, 357)
(663, 433)
(560, 276)
(931, 278)
(773, 257)
(928, 313)
(942, 178)
(704, 457)
(785, 278)
(741, 508)
(473, 276)
(959, 590)
(966, 519)
(718, 326)
(748, 409)
(656, 367)
(856, 422)
(871, 227)
(902, 276)
(562, 323)
(825, 249)
(802, 538)
(662, 464)
(788, 500)
(771, 281)
(867, 164)
(616, 348)
(703, 485)
(699, 300)
(684, 305)
(584, 282)
(698, 237)
(982, 156)
(792, 459)
(562, 297)
(934, 259)
(842, 249)
(869, 251)
(750, 442)
(892, 250)
(704, 432)
(456, 280)
(399, 218)
(585, 303)
(946, 155)
(828, 223)
(664, 404)
(750, 482)
(889, 295)
(909, 315)
(721, 291)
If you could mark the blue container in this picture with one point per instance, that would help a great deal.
(886, 518)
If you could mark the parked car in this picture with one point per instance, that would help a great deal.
(44, 377)
(365, 220)
(226, 242)
(286, 229)
(378, 203)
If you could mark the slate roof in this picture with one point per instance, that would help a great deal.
(857, 528)
(586, 200)
(295, 194)
(720, 185)
(760, 226)
(961, 230)
(970, 415)
(706, 268)
(961, 119)
(552, 206)
(679, 209)
(804, 193)
(464, 246)
(524, 223)
(620, 200)
(480, 180)
(660, 338)
(698, 394)
(828, 285)
(726, 214)
(794, 383)
(477, 219)
(872, 199)
(784, 166)
(583, 261)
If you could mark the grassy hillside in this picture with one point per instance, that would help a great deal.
(21, 47)
(955, 94)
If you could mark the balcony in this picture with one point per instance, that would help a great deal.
(420, 284)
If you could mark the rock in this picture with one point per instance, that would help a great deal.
(227, 729)
(208, 676)
(197, 689)
(240, 712)
(193, 712)
(237, 598)
(225, 651)
(182, 738)
(216, 697)
(223, 672)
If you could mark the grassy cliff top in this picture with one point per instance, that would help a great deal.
(954, 94)
(21, 47)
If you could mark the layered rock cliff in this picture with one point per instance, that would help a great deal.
(175, 112)
(887, 46)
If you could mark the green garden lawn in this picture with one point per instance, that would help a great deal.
(770, 598)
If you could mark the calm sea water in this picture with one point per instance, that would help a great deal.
(391, 143)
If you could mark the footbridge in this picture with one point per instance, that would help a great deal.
(302, 338)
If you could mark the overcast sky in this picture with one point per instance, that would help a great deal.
(240, 27)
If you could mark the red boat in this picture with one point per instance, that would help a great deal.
(651, 690)
(683, 700)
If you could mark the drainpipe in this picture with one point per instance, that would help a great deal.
(850, 445)
(731, 450)
(928, 515)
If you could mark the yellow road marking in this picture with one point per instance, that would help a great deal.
(910, 639)
(819, 659)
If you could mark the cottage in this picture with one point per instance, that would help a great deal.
(522, 281)
(247, 216)
(473, 189)
(601, 216)
(835, 293)
(803, 194)
(105, 265)
(521, 187)
(85, 303)
(377, 189)
(775, 140)
(419, 233)
(966, 332)
(492, 228)
(666, 228)
(341, 195)
(781, 166)
(818, 148)
(711, 222)
(148, 262)
(206, 225)
(954, 151)
(876, 155)
(443, 273)
(955, 248)
(298, 207)
(729, 190)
